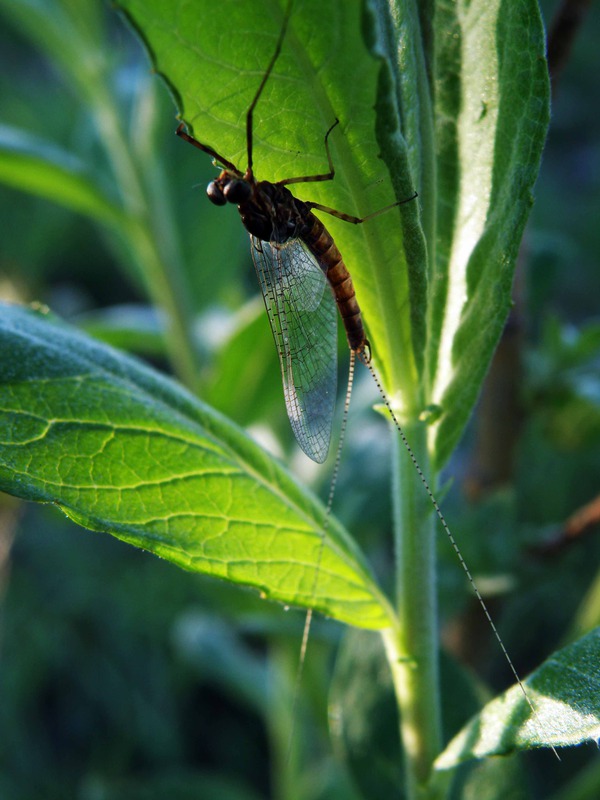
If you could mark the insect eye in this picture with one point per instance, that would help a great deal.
(215, 194)
(237, 192)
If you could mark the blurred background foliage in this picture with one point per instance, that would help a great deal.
(122, 677)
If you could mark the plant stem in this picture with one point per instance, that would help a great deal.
(282, 665)
(412, 647)
(148, 230)
(158, 258)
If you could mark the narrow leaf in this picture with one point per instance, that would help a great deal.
(138, 329)
(565, 692)
(122, 449)
(491, 112)
(41, 168)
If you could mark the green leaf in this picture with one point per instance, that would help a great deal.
(138, 329)
(213, 53)
(218, 654)
(249, 372)
(469, 136)
(122, 449)
(41, 168)
(565, 693)
(363, 716)
(492, 779)
(68, 32)
(491, 111)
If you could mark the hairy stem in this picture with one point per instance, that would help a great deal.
(412, 648)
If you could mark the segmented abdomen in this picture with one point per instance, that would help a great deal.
(320, 242)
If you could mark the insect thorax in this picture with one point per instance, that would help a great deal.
(273, 214)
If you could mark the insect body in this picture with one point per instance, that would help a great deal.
(296, 261)
(271, 213)
(302, 276)
(301, 272)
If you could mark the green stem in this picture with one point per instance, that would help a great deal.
(412, 648)
(165, 292)
(157, 256)
(280, 712)
(74, 36)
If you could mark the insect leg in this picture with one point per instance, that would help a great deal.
(359, 220)
(328, 176)
(265, 78)
(206, 149)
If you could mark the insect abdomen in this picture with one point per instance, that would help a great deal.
(320, 242)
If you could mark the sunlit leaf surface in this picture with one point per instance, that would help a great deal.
(565, 692)
(124, 450)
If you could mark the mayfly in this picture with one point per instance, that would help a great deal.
(295, 259)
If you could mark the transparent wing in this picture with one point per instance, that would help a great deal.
(303, 317)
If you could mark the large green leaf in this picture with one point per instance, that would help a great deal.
(457, 106)
(121, 449)
(214, 54)
(565, 692)
(452, 101)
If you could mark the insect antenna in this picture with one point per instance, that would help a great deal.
(450, 535)
(181, 132)
(324, 528)
(265, 78)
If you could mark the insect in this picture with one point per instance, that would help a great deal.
(296, 260)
